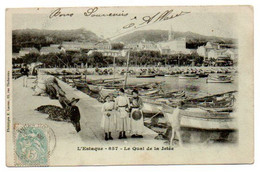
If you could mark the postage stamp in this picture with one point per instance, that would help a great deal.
(31, 145)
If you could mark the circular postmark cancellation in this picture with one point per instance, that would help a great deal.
(33, 144)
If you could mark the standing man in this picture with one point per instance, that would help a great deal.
(136, 117)
(122, 105)
(25, 73)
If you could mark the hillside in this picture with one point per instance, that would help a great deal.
(39, 38)
(193, 39)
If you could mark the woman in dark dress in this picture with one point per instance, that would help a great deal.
(25, 73)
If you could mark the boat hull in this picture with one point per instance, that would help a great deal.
(145, 76)
(218, 81)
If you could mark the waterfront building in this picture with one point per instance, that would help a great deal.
(143, 46)
(224, 60)
(113, 53)
(232, 53)
(173, 45)
(216, 53)
(205, 49)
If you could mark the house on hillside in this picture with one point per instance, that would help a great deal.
(29, 50)
(48, 50)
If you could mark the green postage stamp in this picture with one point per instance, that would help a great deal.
(31, 145)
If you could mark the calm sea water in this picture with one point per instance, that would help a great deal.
(192, 87)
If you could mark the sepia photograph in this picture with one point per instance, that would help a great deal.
(129, 85)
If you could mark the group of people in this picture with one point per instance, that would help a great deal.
(123, 114)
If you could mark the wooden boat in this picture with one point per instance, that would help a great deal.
(203, 75)
(169, 75)
(208, 123)
(221, 109)
(194, 117)
(151, 92)
(72, 77)
(94, 88)
(188, 76)
(202, 119)
(145, 76)
(219, 79)
(170, 94)
(220, 100)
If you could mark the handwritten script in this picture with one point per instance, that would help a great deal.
(135, 22)
(90, 12)
(155, 18)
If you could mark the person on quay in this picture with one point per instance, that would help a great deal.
(108, 119)
(136, 116)
(25, 73)
(174, 120)
(122, 105)
(74, 114)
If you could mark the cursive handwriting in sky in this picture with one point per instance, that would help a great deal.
(117, 21)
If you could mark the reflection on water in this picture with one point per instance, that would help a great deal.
(192, 87)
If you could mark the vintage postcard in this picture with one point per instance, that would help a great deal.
(129, 85)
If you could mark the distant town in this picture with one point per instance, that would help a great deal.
(79, 51)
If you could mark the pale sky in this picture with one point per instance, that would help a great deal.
(202, 21)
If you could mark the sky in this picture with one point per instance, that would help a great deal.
(203, 21)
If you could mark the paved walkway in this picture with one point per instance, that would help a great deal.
(91, 133)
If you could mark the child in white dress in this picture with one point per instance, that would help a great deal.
(108, 118)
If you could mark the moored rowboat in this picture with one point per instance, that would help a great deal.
(145, 76)
(188, 76)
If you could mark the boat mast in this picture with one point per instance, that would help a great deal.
(114, 70)
(127, 67)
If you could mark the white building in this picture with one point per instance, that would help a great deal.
(232, 53)
(204, 50)
(113, 53)
(143, 46)
(48, 50)
(173, 45)
(29, 50)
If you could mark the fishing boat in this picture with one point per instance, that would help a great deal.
(203, 75)
(169, 94)
(170, 75)
(188, 76)
(193, 117)
(219, 79)
(220, 109)
(146, 76)
(72, 76)
(219, 100)
(94, 88)
(200, 119)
